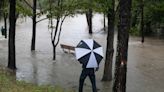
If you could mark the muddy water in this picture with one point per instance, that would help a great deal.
(145, 62)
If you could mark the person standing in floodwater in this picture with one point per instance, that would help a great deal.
(88, 72)
(3, 32)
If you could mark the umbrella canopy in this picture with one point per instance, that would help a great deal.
(89, 53)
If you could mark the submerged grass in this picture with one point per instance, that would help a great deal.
(8, 83)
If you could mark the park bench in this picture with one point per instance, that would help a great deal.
(67, 48)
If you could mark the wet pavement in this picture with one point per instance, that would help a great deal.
(145, 61)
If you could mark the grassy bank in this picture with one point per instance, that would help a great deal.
(9, 84)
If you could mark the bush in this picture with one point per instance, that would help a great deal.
(134, 31)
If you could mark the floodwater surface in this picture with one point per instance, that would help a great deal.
(145, 61)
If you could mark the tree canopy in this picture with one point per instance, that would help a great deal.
(153, 11)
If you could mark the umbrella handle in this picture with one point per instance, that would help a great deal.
(81, 63)
(97, 68)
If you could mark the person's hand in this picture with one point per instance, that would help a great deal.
(97, 68)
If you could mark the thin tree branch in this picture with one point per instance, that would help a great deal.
(51, 27)
(28, 4)
(57, 23)
(51, 23)
(41, 12)
(56, 29)
(116, 11)
(61, 24)
(41, 20)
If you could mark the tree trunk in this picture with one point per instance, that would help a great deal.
(12, 20)
(122, 46)
(109, 51)
(54, 52)
(34, 26)
(5, 24)
(89, 20)
(104, 23)
(148, 29)
(87, 17)
(54, 38)
(142, 21)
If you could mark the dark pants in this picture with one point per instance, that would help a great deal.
(87, 72)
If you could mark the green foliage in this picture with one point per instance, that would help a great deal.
(4, 7)
(134, 31)
(153, 14)
(23, 9)
(103, 5)
(100, 6)
(1, 5)
(59, 8)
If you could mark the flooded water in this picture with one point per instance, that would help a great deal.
(145, 61)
